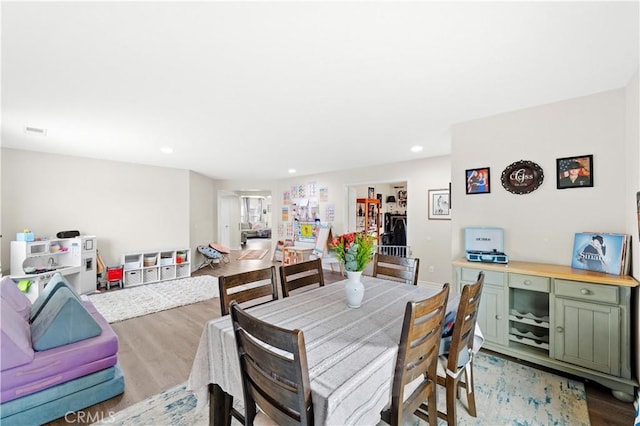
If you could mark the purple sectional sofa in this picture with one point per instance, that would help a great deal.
(74, 363)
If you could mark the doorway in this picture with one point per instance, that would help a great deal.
(393, 225)
(228, 225)
(255, 216)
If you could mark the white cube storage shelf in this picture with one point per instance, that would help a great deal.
(154, 266)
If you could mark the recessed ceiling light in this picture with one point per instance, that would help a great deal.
(167, 150)
(291, 171)
(35, 131)
(416, 148)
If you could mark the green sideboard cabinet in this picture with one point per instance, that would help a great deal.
(567, 319)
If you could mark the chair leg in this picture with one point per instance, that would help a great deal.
(451, 386)
(471, 395)
(220, 404)
(432, 408)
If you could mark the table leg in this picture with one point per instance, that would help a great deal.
(220, 404)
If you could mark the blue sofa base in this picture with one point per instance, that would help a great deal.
(61, 400)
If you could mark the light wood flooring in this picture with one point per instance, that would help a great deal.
(157, 350)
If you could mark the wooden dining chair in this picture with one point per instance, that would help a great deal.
(405, 268)
(458, 361)
(414, 381)
(276, 380)
(298, 275)
(248, 286)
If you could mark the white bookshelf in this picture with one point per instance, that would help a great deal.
(155, 266)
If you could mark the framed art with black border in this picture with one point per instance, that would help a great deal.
(438, 204)
(574, 172)
(478, 180)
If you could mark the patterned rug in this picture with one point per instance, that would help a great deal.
(130, 302)
(253, 254)
(507, 393)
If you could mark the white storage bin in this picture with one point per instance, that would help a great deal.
(132, 277)
(150, 260)
(167, 272)
(150, 275)
(166, 261)
(182, 271)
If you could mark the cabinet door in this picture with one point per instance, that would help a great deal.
(492, 317)
(588, 334)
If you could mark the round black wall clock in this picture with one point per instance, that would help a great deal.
(522, 177)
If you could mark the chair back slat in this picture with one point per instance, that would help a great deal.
(417, 358)
(247, 286)
(303, 274)
(465, 322)
(404, 268)
(274, 369)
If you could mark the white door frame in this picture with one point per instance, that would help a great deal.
(229, 219)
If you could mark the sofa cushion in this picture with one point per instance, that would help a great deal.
(56, 282)
(15, 338)
(58, 391)
(15, 298)
(62, 320)
(58, 365)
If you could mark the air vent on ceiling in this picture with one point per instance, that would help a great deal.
(35, 131)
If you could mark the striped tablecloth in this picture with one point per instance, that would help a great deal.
(351, 352)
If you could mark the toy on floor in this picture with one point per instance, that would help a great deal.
(114, 275)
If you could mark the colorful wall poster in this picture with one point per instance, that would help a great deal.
(330, 212)
(324, 194)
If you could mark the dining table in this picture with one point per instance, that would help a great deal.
(351, 352)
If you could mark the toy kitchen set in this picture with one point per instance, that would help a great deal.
(36, 261)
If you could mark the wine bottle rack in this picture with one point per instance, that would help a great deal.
(529, 318)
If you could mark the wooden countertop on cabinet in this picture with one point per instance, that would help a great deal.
(550, 270)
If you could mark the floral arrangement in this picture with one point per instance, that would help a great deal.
(354, 250)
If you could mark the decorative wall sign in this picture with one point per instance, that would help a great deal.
(522, 177)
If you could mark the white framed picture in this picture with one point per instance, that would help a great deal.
(439, 204)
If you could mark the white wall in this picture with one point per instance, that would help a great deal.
(133, 207)
(632, 160)
(429, 239)
(201, 214)
(540, 226)
(632, 170)
(129, 207)
(1, 235)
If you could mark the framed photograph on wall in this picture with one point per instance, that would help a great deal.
(478, 181)
(438, 204)
(574, 172)
(372, 193)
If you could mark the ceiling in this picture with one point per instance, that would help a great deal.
(250, 89)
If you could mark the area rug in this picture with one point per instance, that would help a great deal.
(507, 393)
(253, 254)
(130, 302)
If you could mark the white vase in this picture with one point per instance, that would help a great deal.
(354, 289)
